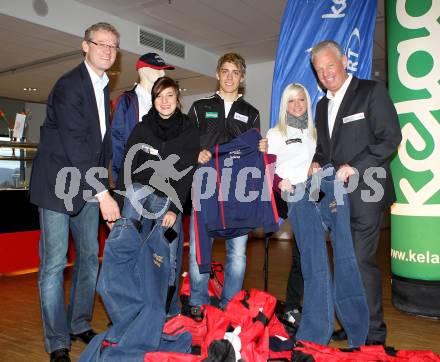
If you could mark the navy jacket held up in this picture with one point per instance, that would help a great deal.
(242, 199)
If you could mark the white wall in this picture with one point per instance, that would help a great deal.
(36, 119)
(189, 100)
(259, 90)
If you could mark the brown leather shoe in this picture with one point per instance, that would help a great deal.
(60, 355)
(84, 337)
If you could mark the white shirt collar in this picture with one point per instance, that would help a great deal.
(96, 79)
(238, 96)
(341, 91)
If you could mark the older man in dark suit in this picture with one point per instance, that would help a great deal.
(74, 142)
(358, 132)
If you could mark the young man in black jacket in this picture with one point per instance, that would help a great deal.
(220, 118)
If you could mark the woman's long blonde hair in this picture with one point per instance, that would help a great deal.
(289, 92)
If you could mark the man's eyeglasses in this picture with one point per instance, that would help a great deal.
(103, 46)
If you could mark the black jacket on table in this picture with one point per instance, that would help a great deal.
(209, 116)
(160, 138)
(366, 134)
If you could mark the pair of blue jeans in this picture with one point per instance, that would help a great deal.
(235, 268)
(54, 243)
(132, 284)
(142, 204)
(314, 209)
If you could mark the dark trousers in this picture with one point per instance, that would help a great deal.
(295, 282)
(365, 231)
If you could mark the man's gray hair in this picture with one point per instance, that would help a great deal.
(324, 45)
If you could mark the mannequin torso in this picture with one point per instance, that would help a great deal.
(131, 106)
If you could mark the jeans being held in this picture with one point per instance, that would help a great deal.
(54, 243)
(317, 206)
(234, 269)
(131, 284)
(141, 200)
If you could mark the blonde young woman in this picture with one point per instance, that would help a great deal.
(325, 292)
(293, 141)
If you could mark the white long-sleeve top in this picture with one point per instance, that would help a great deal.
(294, 153)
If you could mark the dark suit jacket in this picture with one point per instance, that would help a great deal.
(70, 137)
(369, 141)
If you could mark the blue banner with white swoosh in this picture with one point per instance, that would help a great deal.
(307, 22)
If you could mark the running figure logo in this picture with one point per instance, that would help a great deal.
(163, 172)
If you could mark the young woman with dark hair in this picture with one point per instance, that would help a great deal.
(159, 164)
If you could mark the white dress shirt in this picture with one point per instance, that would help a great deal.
(144, 101)
(99, 83)
(335, 102)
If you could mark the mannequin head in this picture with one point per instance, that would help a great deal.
(150, 67)
(147, 76)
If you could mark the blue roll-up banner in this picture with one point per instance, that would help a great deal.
(307, 22)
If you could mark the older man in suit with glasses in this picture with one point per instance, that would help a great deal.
(358, 133)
